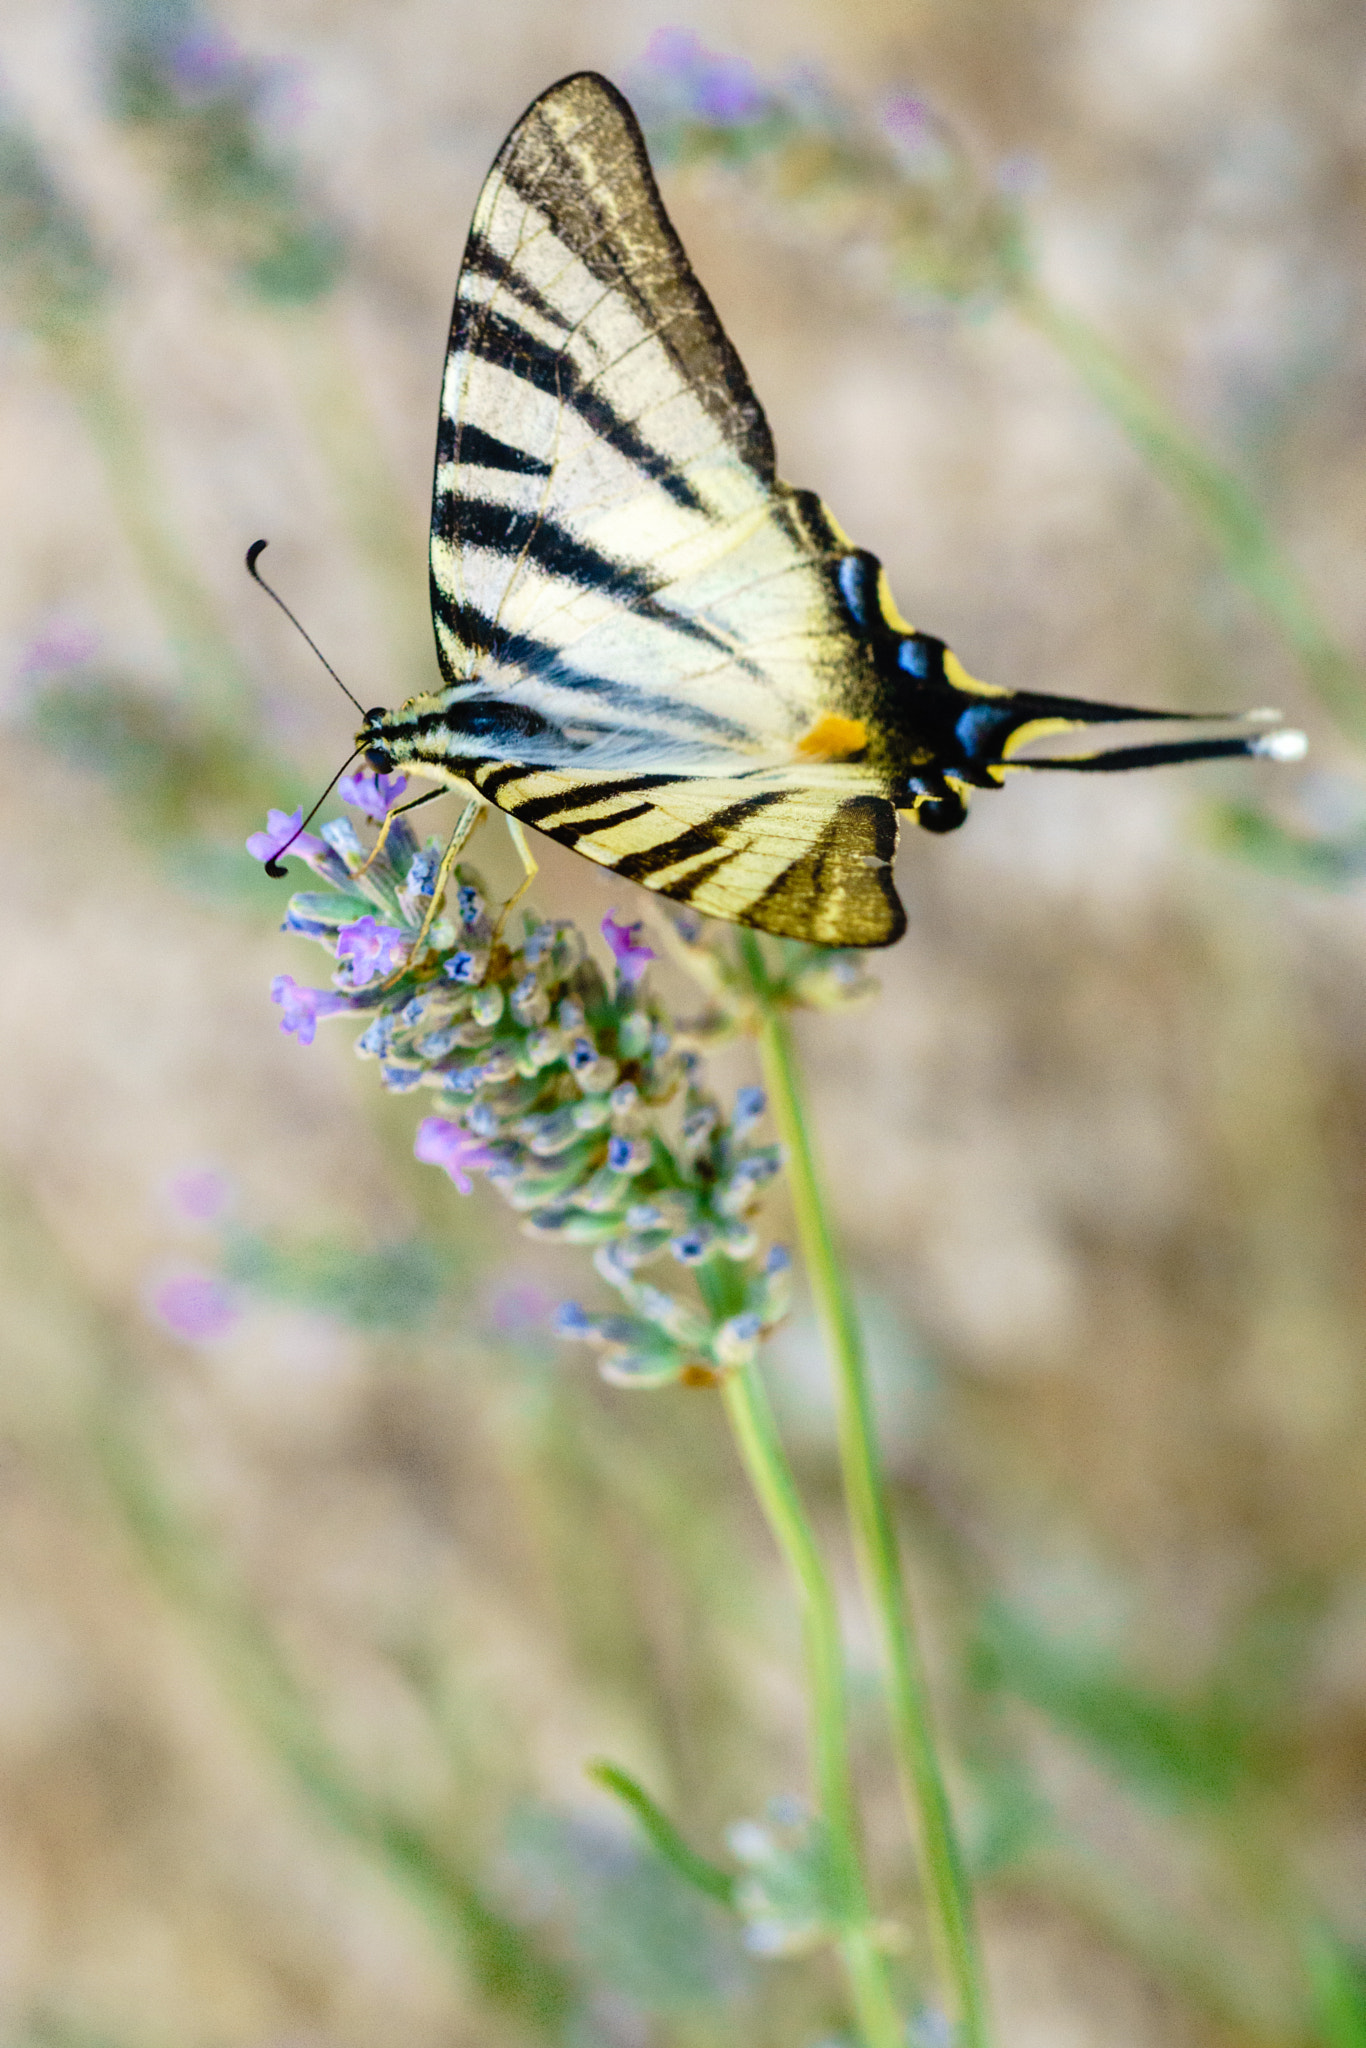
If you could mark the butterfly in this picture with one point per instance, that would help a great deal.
(651, 648)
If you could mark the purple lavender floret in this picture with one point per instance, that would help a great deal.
(302, 1007)
(374, 794)
(440, 1142)
(281, 826)
(374, 950)
(628, 949)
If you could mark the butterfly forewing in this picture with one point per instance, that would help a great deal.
(637, 623)
(610, 550)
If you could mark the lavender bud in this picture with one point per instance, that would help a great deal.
(468, 968)
(340, 835)
(750, 1105)
(374, 1042)
(500, 1066)
(422, 869)
(628, 1155)
(641, 1368)
(530, 1003)
(543, 1048)
(693, 1247)
(737, 1340)
(486, 1006)
(401, 1079)
(633, 1034)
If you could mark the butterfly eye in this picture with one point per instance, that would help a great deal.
(380, 759)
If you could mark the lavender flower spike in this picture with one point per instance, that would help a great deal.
(374, 794)
(439, 1142)
(629, 950)
(280, 829)
(373, 949)
(303, 1006)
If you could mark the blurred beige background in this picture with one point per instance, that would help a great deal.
(1098, 1150)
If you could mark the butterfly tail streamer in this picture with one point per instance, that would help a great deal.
(1276, 746)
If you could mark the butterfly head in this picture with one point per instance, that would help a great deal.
(368, 742)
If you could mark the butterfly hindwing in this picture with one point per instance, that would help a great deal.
(793, 856)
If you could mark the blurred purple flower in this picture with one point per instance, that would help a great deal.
(674, 50)
(203, 61)
(60, 645)
(200, 1193)
(907, 119)
(280, 828)
(728, 92)
(629, 950)
(1021, 175)
(373, 949)
(374, 794)
(303, 1006)
(197, 1306)
(724, 90)
(518, 1307)
(441, 1143)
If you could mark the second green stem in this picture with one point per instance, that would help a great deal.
(756, 1436)
(948, 1892)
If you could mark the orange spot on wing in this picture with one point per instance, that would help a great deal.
(832, 738)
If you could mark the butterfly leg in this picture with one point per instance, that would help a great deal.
(529, 863)
(464, 825)
(397, 812)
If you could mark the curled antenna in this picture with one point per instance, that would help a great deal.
(274, 866)
(254, 553)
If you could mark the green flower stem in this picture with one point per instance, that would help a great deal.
(948, 1892)
(1219, 500)
(756, 1436)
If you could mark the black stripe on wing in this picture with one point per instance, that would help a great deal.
(469, 444)
(548, 665)
(481, 260)
(530, 536)
(496, 339)
(631, 245)
(653, 860)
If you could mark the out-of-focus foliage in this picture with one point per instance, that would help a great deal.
(192, 97)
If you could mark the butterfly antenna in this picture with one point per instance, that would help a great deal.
(254, 553)
(273, 865)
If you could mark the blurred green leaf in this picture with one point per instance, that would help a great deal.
(383, 1287)
(1248, 834)
(48, 265)
(637, 1927)
(1195, 1753)
(1337, 1990)
(663, 1836)
(178, 80)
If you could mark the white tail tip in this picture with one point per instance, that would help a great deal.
(1281, 746)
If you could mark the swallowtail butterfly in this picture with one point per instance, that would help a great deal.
(652, 649)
